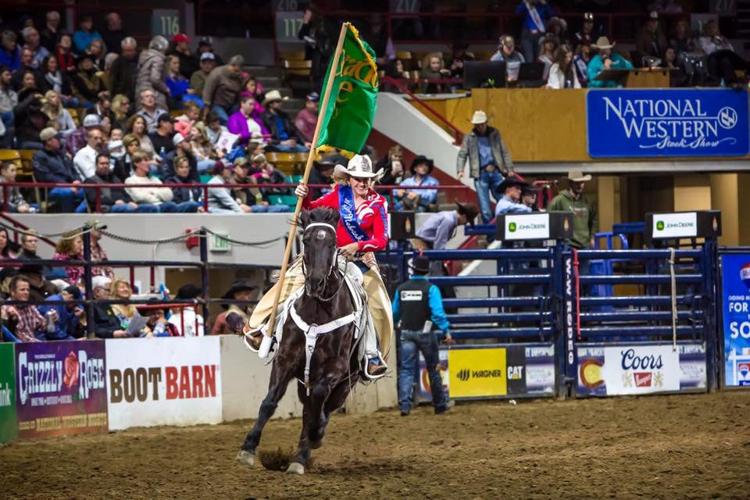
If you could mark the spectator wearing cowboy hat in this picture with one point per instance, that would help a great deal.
(186, 321)
(605, 59)
(489, 161)
(227, 322)
(419, 200)
(284, 135)
(156, 322)
(323, 172)
(439, 228)
(510, 203)
(585, 220)
(307, 117)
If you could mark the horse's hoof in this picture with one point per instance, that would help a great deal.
(295, 468)
(316, 444)
(246, 458)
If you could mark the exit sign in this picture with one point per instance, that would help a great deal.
(220, 243)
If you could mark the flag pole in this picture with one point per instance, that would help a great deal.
(306, 176)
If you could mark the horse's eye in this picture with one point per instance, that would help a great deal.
(321, 235)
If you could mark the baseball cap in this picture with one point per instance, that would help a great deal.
(178, 138)
(208, 56)
(164, 117)
(181, 38)
(90, 121)
(259, 158)
(100, 282)
(313, 96)
(47, 134)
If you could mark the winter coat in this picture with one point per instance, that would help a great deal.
(151, 77)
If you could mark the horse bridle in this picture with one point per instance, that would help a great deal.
(331, 270)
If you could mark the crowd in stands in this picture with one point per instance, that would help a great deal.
(43, 303)
(574, 60)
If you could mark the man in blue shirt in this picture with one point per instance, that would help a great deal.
(510, 203)
(418, 304)
(605, 59)
(435, 232)
(419, 200)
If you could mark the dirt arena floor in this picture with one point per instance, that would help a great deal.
(652, 447)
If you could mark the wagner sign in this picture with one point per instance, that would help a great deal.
(649, 123)
(477, 373)
(163, 381)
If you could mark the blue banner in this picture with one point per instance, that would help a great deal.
(735, 307)
(625, 123)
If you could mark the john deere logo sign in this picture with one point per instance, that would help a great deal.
(660, 225)
(677, 225)
(512, 227)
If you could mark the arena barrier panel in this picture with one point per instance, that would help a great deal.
(164, 381)
(8, 417)
(734, 312)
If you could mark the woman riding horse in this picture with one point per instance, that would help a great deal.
(362, 228)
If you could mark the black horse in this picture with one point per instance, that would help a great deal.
(334, 368)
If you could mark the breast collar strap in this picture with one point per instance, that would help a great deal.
(311, 336)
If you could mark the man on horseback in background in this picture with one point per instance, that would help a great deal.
(362, 229)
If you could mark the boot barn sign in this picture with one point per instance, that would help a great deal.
(164, 382)
(626, 123)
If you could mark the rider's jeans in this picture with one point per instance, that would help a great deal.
(412, 342)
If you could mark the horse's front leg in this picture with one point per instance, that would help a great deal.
(281, 374)
(312, 416)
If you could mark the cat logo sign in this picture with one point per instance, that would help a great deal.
(477, 372)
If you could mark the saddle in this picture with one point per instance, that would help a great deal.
(359, 317)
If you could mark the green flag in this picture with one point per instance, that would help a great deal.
(348, 116)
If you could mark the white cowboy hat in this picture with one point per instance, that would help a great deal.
(479, 117)
(603, 43)
(359, 166)
(273, 95)
(578, 176)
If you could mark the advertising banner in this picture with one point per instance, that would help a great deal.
(8, 418)
(477, 372)
(735, 312)
(60, 388)
(529, 371)
(640, 369)
(527, 227)
(163, 381)
(627, 123)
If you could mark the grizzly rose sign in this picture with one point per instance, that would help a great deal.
(61, 388)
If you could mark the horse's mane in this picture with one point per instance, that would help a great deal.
(324, 215)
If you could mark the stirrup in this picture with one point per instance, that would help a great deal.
(381, 362)
(265, 346)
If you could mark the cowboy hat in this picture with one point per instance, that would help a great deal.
(273, 95)
(422, 159)
(578, 176)
(479, 117)
(188, 292)
(468, 210)
(512, 180)
(530, 189)
(359, 166)
(238, 286)
(420, 264)
(603, 43)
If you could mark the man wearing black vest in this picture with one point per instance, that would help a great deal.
(419, 305)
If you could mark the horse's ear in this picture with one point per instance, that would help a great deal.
(333, 217)
(304, 218)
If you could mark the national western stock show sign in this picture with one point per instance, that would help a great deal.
(164, 381)
(60, 388)
(625, 123)
(735, 311)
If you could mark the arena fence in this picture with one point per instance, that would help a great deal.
(567, 323)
